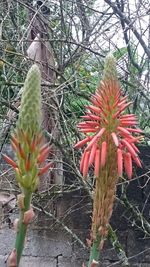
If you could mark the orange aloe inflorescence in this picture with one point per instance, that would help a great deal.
(27, 140)
(31, 153)
(110, 142)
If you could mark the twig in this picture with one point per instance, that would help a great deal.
(130, 24)
(68, 230)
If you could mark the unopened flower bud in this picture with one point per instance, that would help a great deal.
(12, 259)
(28, 216)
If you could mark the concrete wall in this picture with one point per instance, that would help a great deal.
(49, 245)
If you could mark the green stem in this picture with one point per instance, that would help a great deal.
(21, 234)
(117, 246)
(95, 250)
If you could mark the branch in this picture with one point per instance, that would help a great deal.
(9, 105)
(68, 230)
(135, 64)
(118, 247)
(130, 24)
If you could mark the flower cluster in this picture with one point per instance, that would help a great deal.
(31, 155)
(27, 140)
(105, 120)
(110, 142)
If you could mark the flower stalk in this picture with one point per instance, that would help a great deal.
(110, 142)
(22, 225)
(94, 252)
(31, 153)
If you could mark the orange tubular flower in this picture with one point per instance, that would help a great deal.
(109, 145)
(29, 159)
(106, 122)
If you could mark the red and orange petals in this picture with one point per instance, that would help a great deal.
(45, 168)
(82, 142)
(82, 161)
(40, 139)
(94, 109)
(115, 139)
(90, 116)
(14, 140)
(103, 154)
(88, 130)
(127, 145)
(124, 131)
(128, 164)
(14, 143)
(43, 154)
(105, 120)
(96, 101)
(127, 123)
(138, 162)
(92, 154)
(97, 163)
(86, 163)
(21, 152)
(33, 144)
(121, 109)
(95, 138)
(28, 163)
(121, 102)
(87, 124)
(10, 161)
(119, 162)
(14, 146)
(133, 130)
(135, 148)
(128, 117)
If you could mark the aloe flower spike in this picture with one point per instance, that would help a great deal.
(31, 154)
(109, 146)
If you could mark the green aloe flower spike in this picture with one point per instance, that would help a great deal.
(27, 141)
(110, 70)
(30, 111)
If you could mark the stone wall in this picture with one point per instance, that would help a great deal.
(50, 245)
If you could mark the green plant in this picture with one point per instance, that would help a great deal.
(31, 153)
